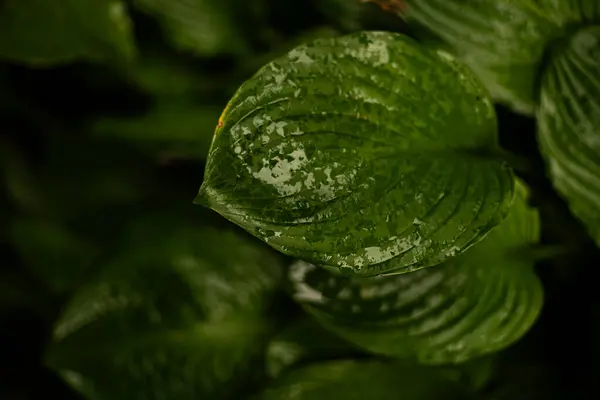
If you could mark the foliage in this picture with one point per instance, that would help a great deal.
(353, 182)
(421, 178)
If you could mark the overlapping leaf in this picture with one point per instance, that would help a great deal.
(45, 32)
(473, 304)
(180, 316)
(365, 152)
(503, 41)
(305, 341)
(569, 124)
(371, 380)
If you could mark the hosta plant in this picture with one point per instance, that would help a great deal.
(374, 161)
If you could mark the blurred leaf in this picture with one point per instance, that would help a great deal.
(79, 175)
(47, 32)
(179, 315)
(355, 15)
(17, 176)
(367, 152)
(347, 13)
(569, 124)
(165, 75)
(373, 380)
(54, 255)
(172, 127)
(205, 27)
(474, 304)
(306, 341)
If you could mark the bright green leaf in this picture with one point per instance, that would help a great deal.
(474, 304)
(373, 380)
(569, 124)
(46, 32)
(365, 152)
(179, 315)
(503, 41)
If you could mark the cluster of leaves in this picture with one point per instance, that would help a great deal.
(366, 150)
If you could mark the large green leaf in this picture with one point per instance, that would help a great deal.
(180, 315)
(473, 304)
(503, 41)
(45, 32)
(373, 380)
(569, 124)
(365, 152)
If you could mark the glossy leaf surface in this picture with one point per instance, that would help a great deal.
(503, 41)
(474, 304)
(569, 124)
(365, 152)
(180, 315)
(46, 32)
(364, 380)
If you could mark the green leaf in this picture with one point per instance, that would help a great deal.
(503, 41)
(477, 303)
(365, 152)
(569, 124)
(373, 380)
(56, 256)
(171, 127)
(206, 27)
(181, 314)
(48, 32)
(305, 340)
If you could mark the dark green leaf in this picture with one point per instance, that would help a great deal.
(474, 304)
(503, 41)
(180, 315)
(365, 152)
(54, 255)
(80, 175)
(206, 27)
(373, 380)
(569, 124)
(171, 127)
(306, 341)
(46, 32)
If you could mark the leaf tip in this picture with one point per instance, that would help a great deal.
(202, 198)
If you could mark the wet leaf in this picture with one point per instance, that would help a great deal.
(181, 314)
(365, 152)
(474, 304)
(569, 124)
(47, 32)
(503, 41)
